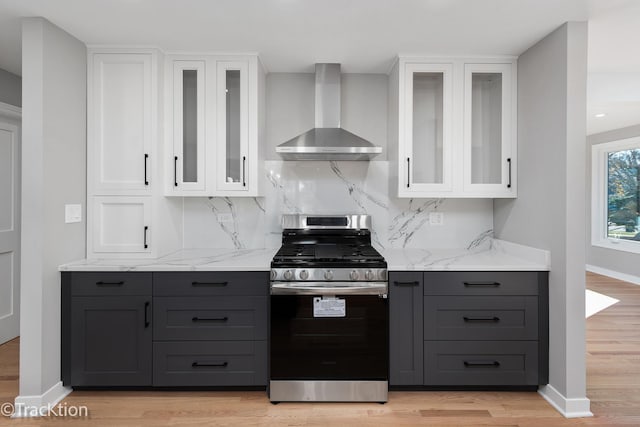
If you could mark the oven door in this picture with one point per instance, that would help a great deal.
(347, 342)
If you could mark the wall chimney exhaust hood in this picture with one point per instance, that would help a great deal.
(328, 141)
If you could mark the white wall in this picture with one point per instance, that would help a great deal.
(10, 88)
(53, 173)
(549, 212)
(617, 261)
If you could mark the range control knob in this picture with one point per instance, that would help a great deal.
(383, 274)
(288, 275)
(274, 275)
(328, 275)
(304, 274)
(369, 275)
(354, 275)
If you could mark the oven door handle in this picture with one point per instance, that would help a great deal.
(336, 288)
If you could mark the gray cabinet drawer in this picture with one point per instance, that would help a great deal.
(110, 283)
(481, 283)
(480, 363)
(480, 318)
(210, 318)
(219, 363)
(210, 283)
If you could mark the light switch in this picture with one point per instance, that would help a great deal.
(436, 218)
(72, 213)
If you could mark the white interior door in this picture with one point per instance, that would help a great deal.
(9, 229)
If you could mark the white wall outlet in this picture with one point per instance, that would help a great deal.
(436, 218)
(225, 217)
(72, 213)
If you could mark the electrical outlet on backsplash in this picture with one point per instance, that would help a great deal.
(323, 187)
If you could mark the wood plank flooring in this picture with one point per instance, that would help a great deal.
(613, 377)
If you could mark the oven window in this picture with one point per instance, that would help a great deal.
(304, 347)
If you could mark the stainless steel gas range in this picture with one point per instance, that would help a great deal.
(329, 312)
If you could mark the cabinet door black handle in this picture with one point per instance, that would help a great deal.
(146, 314)
(414, 283)
(146, 181)
(210, 319)
(408, 171)
(244, 161)
(209, 365)
(120, 283)
(481, 363)
(493, 319)
(220, 284)
(509, 163)
(175, 171)
(146, 229)
(480, 284)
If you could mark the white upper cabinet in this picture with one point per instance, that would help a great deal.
(120, 122)
(232, 126)
(427, 127)
(452, 127)
(489, 124)
(186, 91)
(126, 213)
(214, 119)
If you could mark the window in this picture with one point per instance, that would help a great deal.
(616, 195)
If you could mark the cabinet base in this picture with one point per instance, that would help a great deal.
(328, 391)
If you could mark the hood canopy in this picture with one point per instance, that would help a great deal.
(327, 141)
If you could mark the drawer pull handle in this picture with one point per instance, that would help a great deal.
(210, 319)
(220, 284)
(209, 365)
(482, 363)
(493, 319)
(146, 314)
(414, 283)
(120, 283)
(486, 284)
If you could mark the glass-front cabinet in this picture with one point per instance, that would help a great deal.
(232, 126)
(215, 118)
(189, 147)
(428, 114)
(489, 166)
(456, 127)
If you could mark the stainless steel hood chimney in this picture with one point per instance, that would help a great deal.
(328, 141)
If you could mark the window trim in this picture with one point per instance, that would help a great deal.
(599, 172)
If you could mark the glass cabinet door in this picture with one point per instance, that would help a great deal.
(188, 125)
(428, 103)
(487, 130)
(232, 126)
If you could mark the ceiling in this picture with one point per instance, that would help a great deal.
(363, 35)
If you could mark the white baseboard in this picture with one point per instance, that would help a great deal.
(615, 274)
(570, 408)
(27, 406)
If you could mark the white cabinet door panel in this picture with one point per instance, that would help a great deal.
(122, 224)
(120, 122)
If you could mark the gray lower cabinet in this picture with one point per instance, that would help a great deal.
(472, 328)
(106, 329)
(164, 329)
(219, 363)
(405, 328)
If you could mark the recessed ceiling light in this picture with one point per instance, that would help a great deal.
(599, 115)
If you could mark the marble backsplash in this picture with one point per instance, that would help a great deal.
(335, 188)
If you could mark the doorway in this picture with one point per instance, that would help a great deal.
(9, 222)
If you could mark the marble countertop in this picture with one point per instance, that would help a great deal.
(496, 256)
(184, 260)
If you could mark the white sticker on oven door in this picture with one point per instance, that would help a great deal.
(329, 307)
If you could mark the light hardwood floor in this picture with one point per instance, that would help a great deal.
(613, 377)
